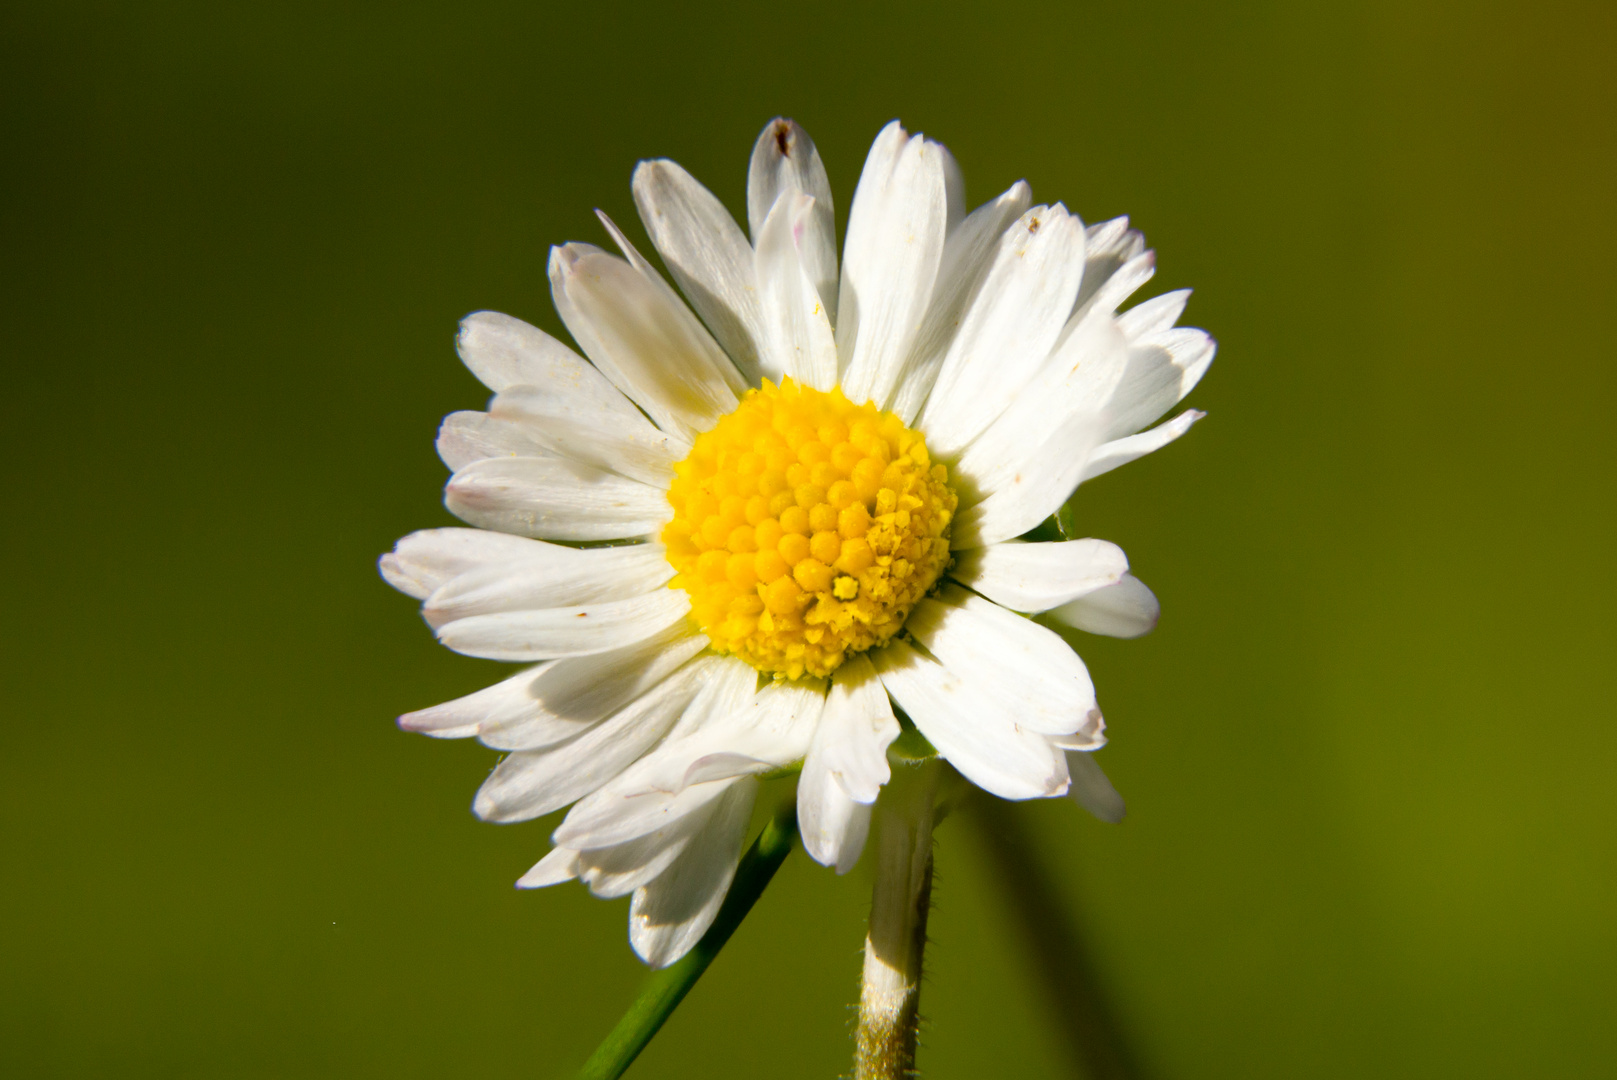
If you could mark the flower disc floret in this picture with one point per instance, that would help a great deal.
(806, 527)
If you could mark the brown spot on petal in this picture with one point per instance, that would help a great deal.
(783, 137)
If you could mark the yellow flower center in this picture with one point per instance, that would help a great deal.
(805, 528)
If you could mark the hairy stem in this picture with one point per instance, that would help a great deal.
(890, 997)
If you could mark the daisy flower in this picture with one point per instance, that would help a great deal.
(754, 536)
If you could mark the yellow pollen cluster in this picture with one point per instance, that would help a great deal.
(805, 528)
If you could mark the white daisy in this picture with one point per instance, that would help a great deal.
(817, 487)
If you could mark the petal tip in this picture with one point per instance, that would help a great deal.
(485, 807)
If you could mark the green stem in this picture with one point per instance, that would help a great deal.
(665, 989)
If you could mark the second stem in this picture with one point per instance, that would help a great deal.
(890, 994)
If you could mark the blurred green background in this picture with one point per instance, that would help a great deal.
(1369, 752)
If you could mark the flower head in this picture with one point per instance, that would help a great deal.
(814, 493)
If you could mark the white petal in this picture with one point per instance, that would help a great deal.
(954, 190)
(1092, 790)
(969, 729)
(855, 730)
(773, 729)
(561, 403)
(833, 825)
(558, 866)
(1038, 577)
(967, 256)
(555, 499)
(612, 816)
(870, 194)
(727, 692)
(504, 352)
(566, 631)
(569, 696)
(1153, 315)
(619, 871)
(1116, 288)
(896, 231)
(1037, 489)
(465, 437)
(1109, 246)
(706, 252)
(1109, 456)
(532, 783)
(1076, 380)
(669, 916)
(724, 765)
(630, 323)
(1162, 368)
(1027, 669)
(784, 160)
(576, 427)
(741, 734)
(622, 868)
(779, 727)
(424, 560)
(1009, 328)
(461, 718)
(798, 340)
(1126, 610)
(552, 576)
(1090, 736)
(846, 766)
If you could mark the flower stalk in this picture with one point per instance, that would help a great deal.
(665, 989)
(890, 994)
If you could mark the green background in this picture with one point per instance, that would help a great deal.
(1369, 752)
